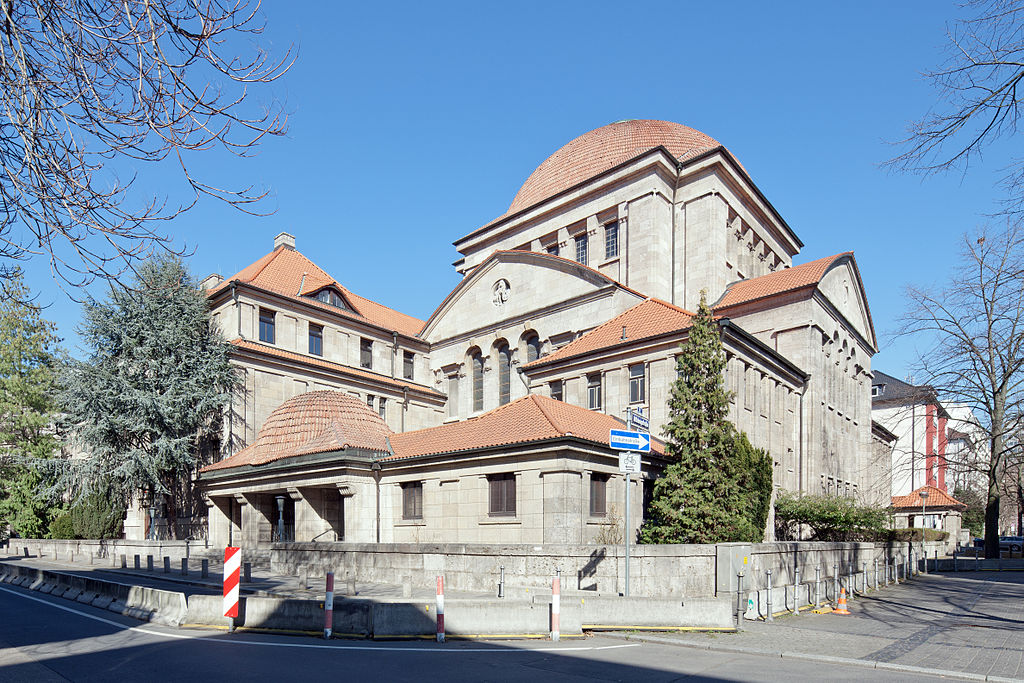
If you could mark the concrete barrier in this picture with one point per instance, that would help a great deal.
(614, 612)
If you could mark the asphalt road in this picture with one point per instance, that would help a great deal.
(50, 639)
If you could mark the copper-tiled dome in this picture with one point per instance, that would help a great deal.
(314, 422)
(604, 148)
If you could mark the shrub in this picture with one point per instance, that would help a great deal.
(829, 518)
(99, 516)
(62, 527)
(912, 535)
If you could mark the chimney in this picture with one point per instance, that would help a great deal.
(211, 281)
(285, 240)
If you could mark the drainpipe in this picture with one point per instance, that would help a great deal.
(394, 352)
(375, 469)
(800, 443)
(238, 309)
(405, 404)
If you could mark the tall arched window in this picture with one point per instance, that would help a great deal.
(532, 348)
(478, 381)
(504, 374)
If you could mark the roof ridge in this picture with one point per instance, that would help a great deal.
(667, 304)
(548, 416)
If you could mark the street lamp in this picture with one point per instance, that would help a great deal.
(152, 522)
(280, 518)
(924, 502)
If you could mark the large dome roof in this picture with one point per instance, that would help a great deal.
(604, 148)
(314, 422)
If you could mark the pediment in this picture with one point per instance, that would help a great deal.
(510, 285)
(843, 288)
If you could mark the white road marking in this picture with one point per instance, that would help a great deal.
(380, 648)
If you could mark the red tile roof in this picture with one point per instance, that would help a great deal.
(313, 422)
(937, 498)
(650, 318)
(328, 365)
(531, 418)
(604, 148)
(289, 273)
(779, 282)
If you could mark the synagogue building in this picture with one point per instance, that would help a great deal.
(488, 422)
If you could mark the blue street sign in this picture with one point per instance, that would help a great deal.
(639, 421)
(622, 440)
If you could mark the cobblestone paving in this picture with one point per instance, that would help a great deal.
(971, 622)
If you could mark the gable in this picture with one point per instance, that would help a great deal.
(842, 286)
(512, 285)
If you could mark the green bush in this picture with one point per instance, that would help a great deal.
(754, 471)
(99, 516)
(829, 518)
(62, 527)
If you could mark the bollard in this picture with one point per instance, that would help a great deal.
(835, 582)
(184, 566)
(936, 565)
(954, 562)
(26, 551)
(113, 560)
(71, 557)
(817, 586)
(977, 558)
(796, 591)
(440, 610)
(864, 577)
(124, 561)
(329, 606)
(501, 582)
(849, 583)
(138, 565)
(876, 574)
(556, 608)
(895, 572)
(924, 556)
(351, 583)
(768, 599)
(205, 573)
(247, 572)
(167, 564)
(149, 563)
(739, 598)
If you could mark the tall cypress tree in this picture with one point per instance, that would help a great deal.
(699, 498)
(28, 358)
(152, 392)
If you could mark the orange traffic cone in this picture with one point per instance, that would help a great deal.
(841, 608)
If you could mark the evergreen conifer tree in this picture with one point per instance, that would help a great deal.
(699, 497)
(29, 355)
(152, 392)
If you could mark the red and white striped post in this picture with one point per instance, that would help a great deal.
(329, 606)
(556, 607)
(440, 609)
(232, 567)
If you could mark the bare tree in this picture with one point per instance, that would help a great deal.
(84, 83)
(973, 328)
(979, 96)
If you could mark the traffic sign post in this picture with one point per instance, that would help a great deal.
(631, 444)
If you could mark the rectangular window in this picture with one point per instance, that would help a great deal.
(369, 401)
(552, 249)
(611, 240)
(380, 407)
(316, 339)
(412, 500)
(556, 390)
(594, 391)
(366, 353)
(637, 383)
(453, 395)
(581, 248)
(598, 495)
(502, 494)
(408, 364)
(266, 325)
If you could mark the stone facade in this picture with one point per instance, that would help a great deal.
(648, 221)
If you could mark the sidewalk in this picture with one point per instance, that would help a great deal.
(969, 624)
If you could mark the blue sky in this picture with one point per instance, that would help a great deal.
(414, 125)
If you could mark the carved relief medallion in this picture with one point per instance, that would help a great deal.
(500, 292)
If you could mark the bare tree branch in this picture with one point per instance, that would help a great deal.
(86, 82)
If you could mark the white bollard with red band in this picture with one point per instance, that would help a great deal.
(329, 606)
(555, 606)
(440, 609)
(232, 567)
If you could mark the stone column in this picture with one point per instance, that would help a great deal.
(308, 523)
(249, 535)
(218, 520)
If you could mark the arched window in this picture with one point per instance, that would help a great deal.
(532, 348)
(478, 381)
(504, 374)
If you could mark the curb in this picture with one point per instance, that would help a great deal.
(829, 659)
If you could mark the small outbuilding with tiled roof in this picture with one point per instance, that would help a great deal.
(929, 507)
(324, 467)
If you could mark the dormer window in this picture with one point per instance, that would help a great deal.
(331, 298)
(877, 390)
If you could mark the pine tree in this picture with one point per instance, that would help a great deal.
(29, 355)
(152, 392)
(699, 498)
